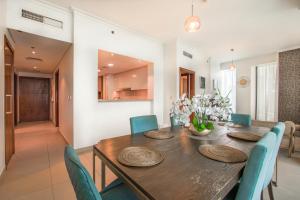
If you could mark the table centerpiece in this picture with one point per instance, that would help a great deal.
(199, 112)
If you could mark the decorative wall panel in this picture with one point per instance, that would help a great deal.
(289, 86)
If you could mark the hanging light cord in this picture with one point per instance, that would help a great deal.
(192, 7)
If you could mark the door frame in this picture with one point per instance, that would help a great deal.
(7, 145)
(56, 83)
(191, 76)
(16, 114)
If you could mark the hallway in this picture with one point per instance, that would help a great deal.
(37, 169)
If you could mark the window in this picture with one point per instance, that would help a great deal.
(228, 85)
(266, 91)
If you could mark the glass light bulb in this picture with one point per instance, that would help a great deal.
(192, 24)
(232, 66)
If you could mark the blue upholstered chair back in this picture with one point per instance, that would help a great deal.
(143, 124)
(255, 170)
(278, 129)
(82, 182)
(174, 122)
(241, 119)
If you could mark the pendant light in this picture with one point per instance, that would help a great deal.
(232, 65)
(192, 23)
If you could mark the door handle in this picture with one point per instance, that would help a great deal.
(10, 103)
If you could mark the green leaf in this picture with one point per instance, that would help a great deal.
(195, 122)
(202, 126)
(210, 126)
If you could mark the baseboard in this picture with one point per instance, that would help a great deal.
(165, 125)
(84, 149)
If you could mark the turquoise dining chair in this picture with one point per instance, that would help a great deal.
(254, 174)
(278, 129)
(241, 119)
(84, 186)
(141, 124)
(174, 122)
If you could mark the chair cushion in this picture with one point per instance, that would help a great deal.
(117, 191)
(113, 184)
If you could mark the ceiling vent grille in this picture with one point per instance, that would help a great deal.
(187, 54)
(34, 59)
(42, 19)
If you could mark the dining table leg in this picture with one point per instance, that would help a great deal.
(102, 175)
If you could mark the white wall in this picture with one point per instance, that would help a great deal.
(16, 21)
(65, 68)
(244, 67)
(2, 132)
(197, 63)
(173, 59)
(170, 78)
(95, 120)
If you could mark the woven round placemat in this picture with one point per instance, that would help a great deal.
(140, 157)
(247, 136)
(159, 135)
(223, 153)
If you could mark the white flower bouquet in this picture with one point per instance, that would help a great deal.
(203, 109)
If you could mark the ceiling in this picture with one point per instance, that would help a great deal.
(48, 52)
(251, 27)
(111, 63)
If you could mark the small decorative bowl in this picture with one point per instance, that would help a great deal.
(197, 133)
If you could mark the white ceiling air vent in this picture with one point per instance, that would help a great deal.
(34, 59)
(187, 54)
(42, 19)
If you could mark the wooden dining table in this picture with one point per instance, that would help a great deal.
(184, 173)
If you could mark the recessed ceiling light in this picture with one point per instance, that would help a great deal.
(33, 51)
(110, 64)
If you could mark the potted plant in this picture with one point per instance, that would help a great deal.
(201, 111)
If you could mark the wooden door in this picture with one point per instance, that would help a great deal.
(187, 82)
(34, 99)
(9, 101)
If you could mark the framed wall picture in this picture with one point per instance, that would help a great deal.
(202, 82)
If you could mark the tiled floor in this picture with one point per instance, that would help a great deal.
(37, 169)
